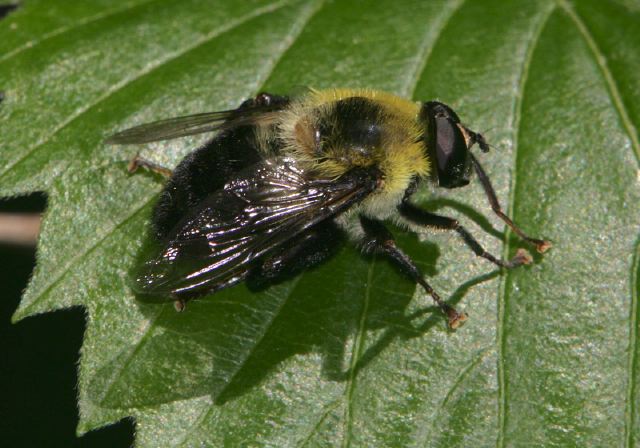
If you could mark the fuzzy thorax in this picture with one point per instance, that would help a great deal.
(322, 129)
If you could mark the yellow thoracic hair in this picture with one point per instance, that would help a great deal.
(402, 157)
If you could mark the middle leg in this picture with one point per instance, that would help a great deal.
(424, 218)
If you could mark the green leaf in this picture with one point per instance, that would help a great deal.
(350, 353)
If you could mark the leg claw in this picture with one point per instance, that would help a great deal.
(133, 165)
(543, 246)
(522, 257)
(456, 319)
(180, 305)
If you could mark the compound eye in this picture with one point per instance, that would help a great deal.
(451, 154)
(441, 110)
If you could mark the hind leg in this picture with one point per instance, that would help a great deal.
(138, 162)
(306, 251)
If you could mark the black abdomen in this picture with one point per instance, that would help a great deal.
(201, 173)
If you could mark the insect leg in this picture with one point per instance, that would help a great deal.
(425, 218)
(307, 250)
(378, 239)
(138, 162)
(265, 101)
(541, 245)
(269, 99)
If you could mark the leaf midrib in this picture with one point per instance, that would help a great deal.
(407, 90)
(502, 291)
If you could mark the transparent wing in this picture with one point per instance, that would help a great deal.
(254, 214)
(259, 110)
(172, 128)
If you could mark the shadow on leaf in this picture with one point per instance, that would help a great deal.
(226, 345)
(464, 209)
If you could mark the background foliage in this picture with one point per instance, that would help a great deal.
(347, 354)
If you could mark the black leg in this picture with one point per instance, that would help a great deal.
(541, 245)
(425, 218)
(265, 101)
(180, 305)
(378, 239)
(138, 162)
(271, 100)
(303, 252)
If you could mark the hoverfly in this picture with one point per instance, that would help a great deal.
(282, 175)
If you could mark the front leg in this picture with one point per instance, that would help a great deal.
(377, 239)
(541, 245)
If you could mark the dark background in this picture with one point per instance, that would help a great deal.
(38, 359)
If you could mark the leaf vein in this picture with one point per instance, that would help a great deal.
(65, 29)
(328, 409)
(459, 380)
(632, 132)
(132, 354)
(632, 367)
(358, 344)
(151, 67)
(408, 90)
(502, 293)
(83, 254)
(425, 49)
(296, 29)
(612, 85)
